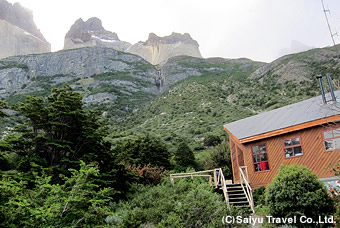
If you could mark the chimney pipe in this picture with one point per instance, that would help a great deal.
(331, 88)
(319, 77)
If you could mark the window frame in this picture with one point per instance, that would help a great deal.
(292, 146)
(324, 139)
(252, 155)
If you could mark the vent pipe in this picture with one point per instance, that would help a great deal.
(319, 77)
(331, 88)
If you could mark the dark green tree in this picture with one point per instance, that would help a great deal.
(58, 133)
(296, 191)
(219, 157)
(142, 151)
(184, 156)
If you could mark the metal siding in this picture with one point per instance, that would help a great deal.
(290, 115)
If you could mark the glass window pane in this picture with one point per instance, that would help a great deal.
(329, 145)
(257, 167)
(256, 158)
(296, 141)
(264, 157)
(255, 149)
(336, 143)
(262, 148)
(289, 152)
(297, 151)
(328, 134)
(288, 142)
(336, 132)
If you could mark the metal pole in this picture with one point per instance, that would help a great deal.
(331, 88)
(319, 77)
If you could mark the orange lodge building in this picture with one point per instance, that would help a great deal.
(305, 133)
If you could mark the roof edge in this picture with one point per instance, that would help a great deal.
(297, 127)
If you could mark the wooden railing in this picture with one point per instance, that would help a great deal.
(221, 182)
(192, 175)
(217, 174)
(246, 186)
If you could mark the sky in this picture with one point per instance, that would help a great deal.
(260, 30)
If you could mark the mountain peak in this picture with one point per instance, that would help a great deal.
(92, 33)
(171, 39)
(157, 50)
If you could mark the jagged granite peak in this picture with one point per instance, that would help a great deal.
(157, 50)
(18, 33)
(92, 33)
(171, 39)
(19, 16)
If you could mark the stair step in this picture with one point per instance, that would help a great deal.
(236, 194)
(239, 202)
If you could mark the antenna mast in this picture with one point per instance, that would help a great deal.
(329, 27)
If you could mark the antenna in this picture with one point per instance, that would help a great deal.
(329, 27)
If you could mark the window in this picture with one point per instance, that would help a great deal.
(260, 158)
(292, 147)
(332, 139)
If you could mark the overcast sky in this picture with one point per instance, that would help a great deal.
(257, 29)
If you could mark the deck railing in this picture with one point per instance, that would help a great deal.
(246, 186)
(217, 174)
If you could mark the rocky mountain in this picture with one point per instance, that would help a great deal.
(91, 33)
(303, 66)
(105, 76)
(18, 33)
(157, 50)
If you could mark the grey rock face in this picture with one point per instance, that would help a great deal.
(91, 33)
(19, 16)
(157, 50)
(95, 71)
(18, 33)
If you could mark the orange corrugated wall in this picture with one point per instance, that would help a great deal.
(314, 155)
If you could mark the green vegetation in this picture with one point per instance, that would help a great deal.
(9, 64)
(296, 191)
(184, 157)
(77, 202)
(189, 203)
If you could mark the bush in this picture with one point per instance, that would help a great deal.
(147, 174)
(212, 140)
(259, 196)
(187, 203)
(296, 191)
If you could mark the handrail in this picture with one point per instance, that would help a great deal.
(223, 183)
(219, 180)
(248, 190)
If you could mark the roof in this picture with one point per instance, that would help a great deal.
(284, 117)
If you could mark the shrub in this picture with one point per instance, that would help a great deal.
(147, 174)
(296, 191)
(259, 196)
(212, 140)
(187, 203)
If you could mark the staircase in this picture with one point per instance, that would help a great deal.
(237, 195)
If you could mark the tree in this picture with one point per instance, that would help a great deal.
(58, 133)
(219, 157)
(296, 191)
(143, 151)
(184, 156)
